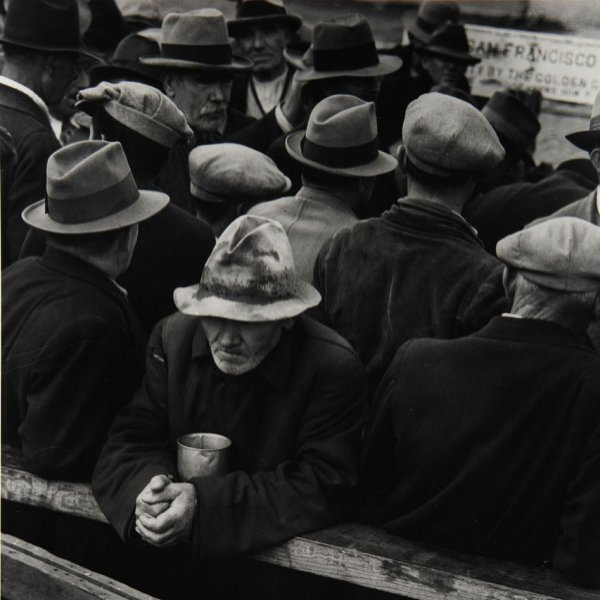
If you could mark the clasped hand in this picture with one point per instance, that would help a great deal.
(164, 511)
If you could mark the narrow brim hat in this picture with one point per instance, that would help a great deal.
(256, 12)
(423, 22)
(590, 139)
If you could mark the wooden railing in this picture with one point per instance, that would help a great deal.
(354, 553)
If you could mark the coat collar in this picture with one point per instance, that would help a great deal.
(274, 369)
(16, 96)
(322, 196)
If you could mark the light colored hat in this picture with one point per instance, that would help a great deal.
(90, 189)
(341, 138)
(250, 276)
(590, 139)
(139, 107)
(254, 12)
(344, 47)
(561, 253)
(196, 40)
(445, 136)
(232, 173)
(431, 14)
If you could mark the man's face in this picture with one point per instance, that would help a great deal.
(264, 44)
(238, 347)
(202, 97)
(444, 70)
(59, 74)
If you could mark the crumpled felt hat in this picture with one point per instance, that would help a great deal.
(90, 189)
(250, 276)
(445, 136)
(231, 173)
(430, 15)
(341, 138)
(254, 12)
(560, 253)
(139, 107)
(48, 25)
(196, 40)
(450, 41)
(589, 139)
(345, 47)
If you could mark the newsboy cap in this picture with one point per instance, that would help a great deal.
(445, 136)
(232, 173)
(562, 254)
(139, 107)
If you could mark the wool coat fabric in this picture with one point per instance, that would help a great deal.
(24, 181)
(309, 218)
(417, 271)
(72, 355)
(491, 444)
(294, 421)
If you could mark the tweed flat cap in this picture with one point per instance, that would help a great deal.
(232, 173)
(445, 136)
(140, 107)
(561, 253)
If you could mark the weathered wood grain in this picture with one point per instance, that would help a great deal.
(32, 573)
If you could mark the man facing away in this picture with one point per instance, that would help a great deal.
(240, 360)
(491, 443)
(420, 269)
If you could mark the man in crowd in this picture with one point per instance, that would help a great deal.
(262, 29)
(340, 158)
(41, 43)
(420, 269)
(491, 443)
(72, 348)
(238, 360)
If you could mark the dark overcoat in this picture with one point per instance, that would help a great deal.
(25, 177)
(294, 421)
(491, 444)
(417, 271)
(72, 355)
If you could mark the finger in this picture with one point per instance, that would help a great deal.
(161, 524)
(166, 495)
(148, 536)
(158, 483)
(151, 509)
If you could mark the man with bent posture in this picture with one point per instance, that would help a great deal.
(240, 360)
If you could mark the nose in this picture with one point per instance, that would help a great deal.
(229, 336)
(216, 92)
(258, 40)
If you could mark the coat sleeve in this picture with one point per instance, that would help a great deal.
(137, 447)
(241, 512)
(81, 377)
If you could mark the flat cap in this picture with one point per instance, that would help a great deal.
(561, 253)
(232, 173)
(445, 136)
(140, 107)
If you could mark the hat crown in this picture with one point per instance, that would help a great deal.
(47, 24)
(434, 13)
(344, 32)
(132, 46)
(202, 27)
(260, 8)
(511, 118)
(252, 261)
(450, 36)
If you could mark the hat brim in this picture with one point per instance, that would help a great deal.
(108, 72)
(387, 64)
(294, 57)
(148, 204)
(291, 21)
(237, 65)
(585, 140)
(384, 163)
(190, 301)
(458, 56)
(76, 50)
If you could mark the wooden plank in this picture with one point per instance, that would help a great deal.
(32, 573)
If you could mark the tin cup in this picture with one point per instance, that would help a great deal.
(202, 454)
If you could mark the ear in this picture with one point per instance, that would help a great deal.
(168, 85)
(402, 158)
(595, 158)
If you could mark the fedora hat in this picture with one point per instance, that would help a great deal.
(90, 189)
(590, 139)
(125, 63)
(196, 40)
(450, 41)
(48, 25)
(516, 126)
(249, 276)
(431, 14)
(341, 138)
(345, 47)
(255, 12)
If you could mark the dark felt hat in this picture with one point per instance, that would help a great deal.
(513, 122)
(49, 25)
(431, 14)
(590, 139)
(450, 41)
(254, 12)
(196, 40)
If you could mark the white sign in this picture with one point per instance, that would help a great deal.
(561, 67)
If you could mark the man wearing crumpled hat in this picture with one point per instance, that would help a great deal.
(238, 359)
(491, 443)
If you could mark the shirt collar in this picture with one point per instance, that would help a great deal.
(19, 87)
